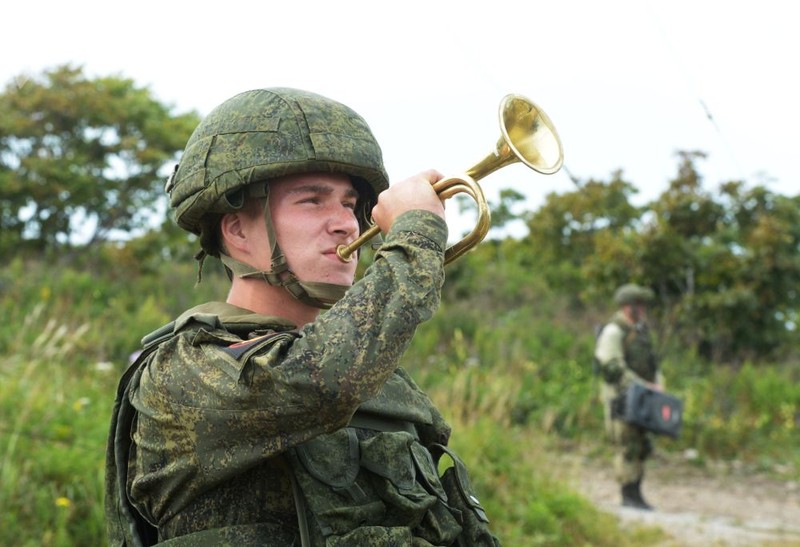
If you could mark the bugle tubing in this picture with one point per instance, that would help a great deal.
(527, 136)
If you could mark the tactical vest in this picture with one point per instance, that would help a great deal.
(638, 349)
(375, 482)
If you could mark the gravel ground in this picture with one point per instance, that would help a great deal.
(701, 506)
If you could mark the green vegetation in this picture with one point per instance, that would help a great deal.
(507, 358)
(514, 381)
(81, 159)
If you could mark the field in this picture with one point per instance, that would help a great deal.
(516, 387)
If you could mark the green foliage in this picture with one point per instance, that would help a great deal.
(522, 487)
(512, 375)
(66, 337)
(563, 231)
(748, 414)
(507, 358)
(123, 304)
(551, 388)
(725, 265)
(529, 504)
(53, 405)
(81, 157)
(732, 282)
(501, 212)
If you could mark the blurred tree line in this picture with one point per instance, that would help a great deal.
(725, 264)
(83, 161)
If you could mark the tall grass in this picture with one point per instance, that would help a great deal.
(749, 414)
(52, 406)
(513, 467)
(510, 372)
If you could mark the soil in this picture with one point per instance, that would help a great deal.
(708, 505)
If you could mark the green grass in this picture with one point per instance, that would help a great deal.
(53, 420)
(512, 376)
(521, 479)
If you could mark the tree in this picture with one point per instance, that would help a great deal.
(565, 232)
(726, 264)
(82, 159)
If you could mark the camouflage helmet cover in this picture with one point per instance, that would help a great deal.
(266, 133)
(632, 293)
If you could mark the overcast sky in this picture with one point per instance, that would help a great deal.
(626, 82)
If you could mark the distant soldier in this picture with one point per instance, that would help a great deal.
(624, 353)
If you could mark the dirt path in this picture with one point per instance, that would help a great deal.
(699, 506)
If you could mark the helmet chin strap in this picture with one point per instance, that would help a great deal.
(316, 294)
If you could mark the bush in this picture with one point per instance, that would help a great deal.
(511, 379)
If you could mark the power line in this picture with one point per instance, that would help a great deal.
(682, 67)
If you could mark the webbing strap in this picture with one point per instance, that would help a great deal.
(299, 503)
(364, 420)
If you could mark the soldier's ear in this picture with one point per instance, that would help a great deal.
(232, 231)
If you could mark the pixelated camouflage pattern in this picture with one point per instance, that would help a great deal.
(634, 447)
(639, 353)
(634, 444)
(219, 404)
(265, 133)
(631, 293)
(637, 359)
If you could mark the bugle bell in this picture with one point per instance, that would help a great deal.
(527, 136)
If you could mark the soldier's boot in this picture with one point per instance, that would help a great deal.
(632, 496)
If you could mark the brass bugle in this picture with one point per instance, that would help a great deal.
(527, 136)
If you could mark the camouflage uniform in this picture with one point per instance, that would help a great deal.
(239, 429)
(625, 354)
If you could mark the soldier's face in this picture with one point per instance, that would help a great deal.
(313, 214)
(636, 313)
(639, 313)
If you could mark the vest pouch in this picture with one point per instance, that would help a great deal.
(442, 522)
(327, 469)
(404, 477)
(382, 490)
(461, 496)
(393, 476)
(374, 536)
(333, 459)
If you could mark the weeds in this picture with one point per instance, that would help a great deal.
(53, 416)
(510, 379)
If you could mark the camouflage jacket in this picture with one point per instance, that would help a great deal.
(625, 352)
(233, 427)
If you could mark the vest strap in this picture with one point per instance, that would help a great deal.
(363, 420)
(242, 534)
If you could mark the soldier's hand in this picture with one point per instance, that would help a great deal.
(410, 194)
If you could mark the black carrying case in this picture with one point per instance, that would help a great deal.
(650, 409)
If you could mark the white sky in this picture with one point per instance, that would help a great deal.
(624, 81)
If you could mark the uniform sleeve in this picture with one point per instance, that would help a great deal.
(204, 415)
(344, 357)
(610, 353)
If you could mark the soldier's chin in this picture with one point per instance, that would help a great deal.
(335, 278)
(342, 280)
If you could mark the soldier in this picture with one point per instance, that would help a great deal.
(624, 353)
(261, 420)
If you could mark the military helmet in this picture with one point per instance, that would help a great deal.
(266, 133)
(632, 293)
